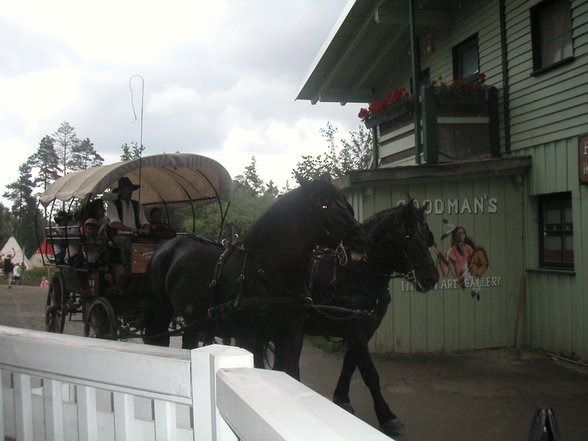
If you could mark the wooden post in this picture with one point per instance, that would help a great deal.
(494, 124)
(430, 134)
(23, 407)
(208, 424)
(52, 397)
(87, 417)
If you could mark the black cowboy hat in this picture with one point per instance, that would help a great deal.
(125, 182)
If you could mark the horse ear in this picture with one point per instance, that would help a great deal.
(301, 179)
(424, 207)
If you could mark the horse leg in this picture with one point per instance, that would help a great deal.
(341, 394)
(250, 342)
(388, 421)
(288, 348)
(190, 339)
(156, 326)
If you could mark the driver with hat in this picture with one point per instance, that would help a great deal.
(127, 217)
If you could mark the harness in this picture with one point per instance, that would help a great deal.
(344, 314)
(241, 303)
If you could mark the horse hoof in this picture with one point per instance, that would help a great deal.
(347, 407)
(392, 427)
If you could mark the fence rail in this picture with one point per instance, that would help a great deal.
(67, 388)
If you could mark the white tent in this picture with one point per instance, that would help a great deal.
(13, 248)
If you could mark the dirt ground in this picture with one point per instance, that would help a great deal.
(488, 395)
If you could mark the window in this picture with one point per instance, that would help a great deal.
(556, 231)
(551, 32)
(466, 62)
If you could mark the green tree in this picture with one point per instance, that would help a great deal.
(65, 139)
(84, 156)
(5, 224)
(250, 179)
(352, 153)
(24, 209)
(46, 161)
(130, 152)
(251, 198)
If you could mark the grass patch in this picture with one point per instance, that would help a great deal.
(325, 345)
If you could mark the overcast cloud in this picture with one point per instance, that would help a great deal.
(220, 78)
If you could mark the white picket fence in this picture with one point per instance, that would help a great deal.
(66, 388)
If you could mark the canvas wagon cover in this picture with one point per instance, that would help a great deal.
(171, 178)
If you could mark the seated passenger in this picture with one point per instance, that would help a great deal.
(127, 218)
(62, 219)
(95, 210)
(157, 227)
(93, 243)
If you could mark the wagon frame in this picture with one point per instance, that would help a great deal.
(89, 289)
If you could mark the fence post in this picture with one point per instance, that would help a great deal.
(208, 424)
(2, 433)
(53, 402)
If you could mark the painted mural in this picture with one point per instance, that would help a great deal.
(463, 263)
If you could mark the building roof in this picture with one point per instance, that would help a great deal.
(368, 43)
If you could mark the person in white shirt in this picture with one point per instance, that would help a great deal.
(127, 217)
(16, 275)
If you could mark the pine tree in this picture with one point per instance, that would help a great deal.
(5, 224)
(24, 208)
(84, 156)
(45, 159)
(65, 139)
(131, 152)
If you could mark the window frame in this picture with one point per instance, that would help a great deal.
(457, 52)
(561, 198)
(536, 50)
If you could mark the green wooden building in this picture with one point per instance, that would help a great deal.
(498, 93)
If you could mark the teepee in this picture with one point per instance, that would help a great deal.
(44, 255)
(13, 248)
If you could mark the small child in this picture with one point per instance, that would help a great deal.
(16, 273)
(44, 282)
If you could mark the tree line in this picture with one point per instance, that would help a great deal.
(64, 152)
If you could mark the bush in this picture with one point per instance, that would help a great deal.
(33, 276)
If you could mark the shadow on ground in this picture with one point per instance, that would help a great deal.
(486, 395)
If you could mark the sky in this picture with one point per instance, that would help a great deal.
(220, 79)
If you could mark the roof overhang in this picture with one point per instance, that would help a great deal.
(456, 170)
(367, 46)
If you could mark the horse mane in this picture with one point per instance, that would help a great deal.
(401, 213)
(284, 213)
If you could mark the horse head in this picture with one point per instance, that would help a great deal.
(333, 219)
(403, 238)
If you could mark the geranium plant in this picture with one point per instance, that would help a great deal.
(459, 87)
(392, 100)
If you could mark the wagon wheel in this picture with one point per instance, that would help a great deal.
(100, 320)
(56, 309)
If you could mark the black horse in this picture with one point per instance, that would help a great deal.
(254, 290)
(351, 301)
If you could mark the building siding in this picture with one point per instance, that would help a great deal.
(557, 302)
(550, 106)
(450, 319)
